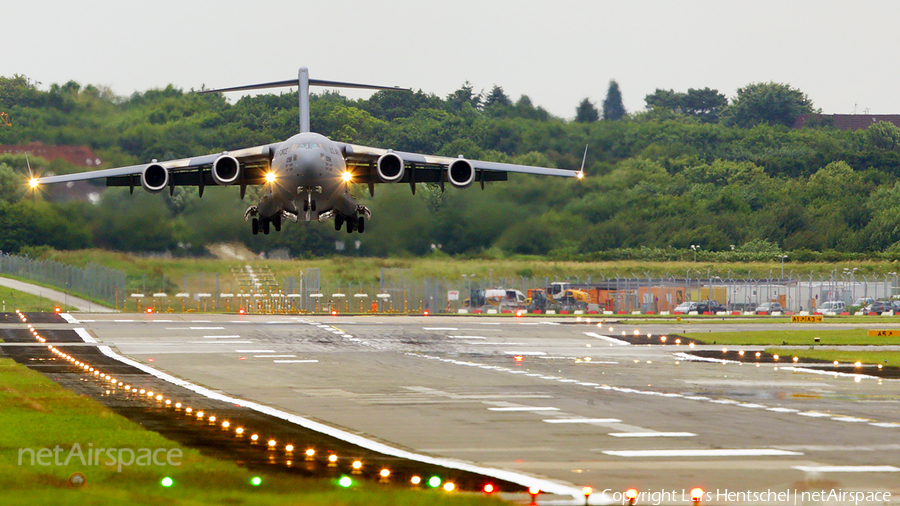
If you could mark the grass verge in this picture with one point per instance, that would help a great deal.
(25, 302)
(36, 413)
(842, 337)
(885, 358)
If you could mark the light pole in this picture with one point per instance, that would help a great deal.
(782, 264)
(695, 247)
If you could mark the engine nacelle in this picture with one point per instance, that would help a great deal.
(226, 170)
(390, 168)
(155, 178)
(461, 173)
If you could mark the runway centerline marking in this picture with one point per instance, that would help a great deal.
(651, 434)
(582, 420)
(847, 469)
(716, 452)
(524, 408)
(274, 356)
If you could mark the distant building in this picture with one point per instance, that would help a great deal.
(76, 155)
(845, 121)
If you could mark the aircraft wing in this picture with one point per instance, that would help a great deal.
(182, 172)
(422, 168)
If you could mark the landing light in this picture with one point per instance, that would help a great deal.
(271, 177)
(347, 176)
(580, 175)
(33, 182)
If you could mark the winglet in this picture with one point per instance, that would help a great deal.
(583, 159)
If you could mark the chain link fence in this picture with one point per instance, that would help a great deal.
(95, 282)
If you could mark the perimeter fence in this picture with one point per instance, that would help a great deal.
(93, 281)
(397, 291)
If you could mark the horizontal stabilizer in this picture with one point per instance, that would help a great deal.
(313, 82)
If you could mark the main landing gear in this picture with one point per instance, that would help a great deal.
(261, 223)
(353, 223)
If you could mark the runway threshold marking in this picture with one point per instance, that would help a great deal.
(715, 452)
(847, 469)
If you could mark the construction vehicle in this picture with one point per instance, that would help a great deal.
(4, 119)
(557, 297)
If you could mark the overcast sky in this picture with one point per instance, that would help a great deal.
(841, 53)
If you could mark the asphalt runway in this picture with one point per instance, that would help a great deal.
(575, 407)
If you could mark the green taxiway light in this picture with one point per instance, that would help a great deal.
(256, 481)
(434, 482)
(345, 481)
(167, 482)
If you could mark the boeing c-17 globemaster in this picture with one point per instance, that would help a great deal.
(308, 175)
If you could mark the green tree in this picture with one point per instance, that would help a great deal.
(770, 103)
(884, 135)
(586, 112)
(613, 108)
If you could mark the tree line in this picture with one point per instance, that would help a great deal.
(692, 168)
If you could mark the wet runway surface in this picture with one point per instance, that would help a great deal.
(566, 402)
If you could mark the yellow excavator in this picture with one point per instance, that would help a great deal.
(4, 119)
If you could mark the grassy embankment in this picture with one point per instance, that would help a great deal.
(36, 413)
(844, 337)
(25, 302)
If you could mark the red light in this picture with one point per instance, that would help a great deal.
(426, 313)
(243, 358)
(534, 491)
(241, 311)
(334, 312)
(149, 310)
(519, 358)
(696, 494)
(57, 309)
(631, 494)
(488, 488)
(587, 491)
(150, 359)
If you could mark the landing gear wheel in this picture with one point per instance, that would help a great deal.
(255, 226)
(265, 226)
(338, 222)
(361, 224)
(351, 225)
(276, 221)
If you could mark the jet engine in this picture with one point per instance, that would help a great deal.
(390, 168)
(461, 173)
(154, 178)
(226, 170)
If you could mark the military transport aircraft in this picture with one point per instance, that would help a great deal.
(307, 176)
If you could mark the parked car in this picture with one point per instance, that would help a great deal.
(710, 306)
(864, 302)
(769, 308)
(833, 306)
(879, 306)
(685, 307)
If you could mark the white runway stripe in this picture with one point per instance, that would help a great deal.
(207, 328)
(254, 351)
(607, 339)
(847, 469)
(887, 425)
(525, 408)
(652, 434)
(295, 361)
(750, 452)
(216, 342)
(439, 328)
(222, 337)
(274, 356)
(814, 414)
(582, 420)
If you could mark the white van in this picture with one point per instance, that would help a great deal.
(833, 307)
